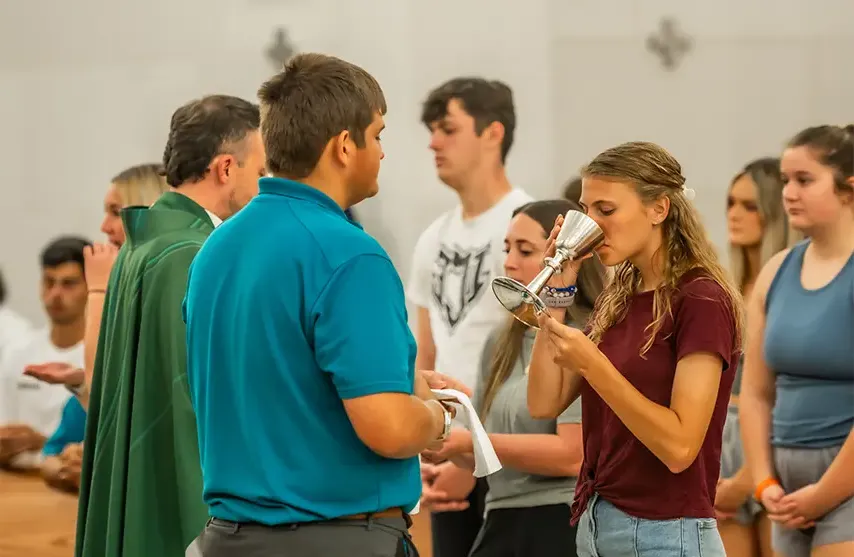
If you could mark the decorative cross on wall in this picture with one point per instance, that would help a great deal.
(669, 44)
(281, 50)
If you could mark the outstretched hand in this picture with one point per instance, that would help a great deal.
(56, 373)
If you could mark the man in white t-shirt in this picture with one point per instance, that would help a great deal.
(30, 410)
(471, 121)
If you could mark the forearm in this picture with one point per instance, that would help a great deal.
(838, 480)
(744, 480)
(411, 431)
(83, 395)
(548, 393)
(94, 309)
(657, 427)
(754, 411)
(543, 454)
(425, 359)
(425, 356)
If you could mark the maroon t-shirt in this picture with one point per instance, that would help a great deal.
(616, 464)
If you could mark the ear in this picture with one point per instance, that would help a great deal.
(659, 209)
(848, 195)
(342, 147)
(494, 134)
(222, 167)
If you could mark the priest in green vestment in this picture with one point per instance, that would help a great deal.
(141, 485)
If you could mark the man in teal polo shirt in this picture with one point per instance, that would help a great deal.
(301, 363)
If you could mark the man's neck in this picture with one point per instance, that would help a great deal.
(67, 335)
(327, 184)
(203, 195)
(483, 191)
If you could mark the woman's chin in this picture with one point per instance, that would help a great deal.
(607, 256)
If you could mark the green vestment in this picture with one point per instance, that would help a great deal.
(141, 483)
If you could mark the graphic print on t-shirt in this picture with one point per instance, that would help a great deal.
(460, 277)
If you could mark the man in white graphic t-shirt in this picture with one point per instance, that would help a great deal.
(471, 122)
(30, 411)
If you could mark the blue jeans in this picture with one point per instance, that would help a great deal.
(606, 531)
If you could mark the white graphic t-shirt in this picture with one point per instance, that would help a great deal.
(26, 400)
(453, 266)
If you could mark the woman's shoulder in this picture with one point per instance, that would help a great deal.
(699, 283)
(771, 270)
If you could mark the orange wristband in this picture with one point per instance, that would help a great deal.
(763, 485)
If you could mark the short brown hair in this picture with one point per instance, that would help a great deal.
(313, 99)
(486, 101)
(202, 129)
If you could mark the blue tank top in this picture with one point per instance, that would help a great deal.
(809, 346)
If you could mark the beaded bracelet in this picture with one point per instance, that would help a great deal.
(559, 297)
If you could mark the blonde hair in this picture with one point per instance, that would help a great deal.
(654, 173)
(140, 185)
(776, 233)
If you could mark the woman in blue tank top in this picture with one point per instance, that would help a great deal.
(798, 387)
(758, 229)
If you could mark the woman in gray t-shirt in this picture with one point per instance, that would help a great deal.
(528, 503)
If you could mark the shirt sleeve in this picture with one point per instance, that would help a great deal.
(420, 283)
(360, 332)
(71, 429)
(705, 322)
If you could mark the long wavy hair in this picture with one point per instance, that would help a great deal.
(508, 344)
(654, 173)
(776, 234)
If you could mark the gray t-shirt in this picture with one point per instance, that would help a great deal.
(509, 488)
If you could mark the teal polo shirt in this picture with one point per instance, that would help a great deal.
(71, 429)
(292, 308)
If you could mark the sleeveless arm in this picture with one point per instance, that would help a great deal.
(837, 483)
(757, 383)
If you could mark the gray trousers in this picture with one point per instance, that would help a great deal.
(372, 537)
